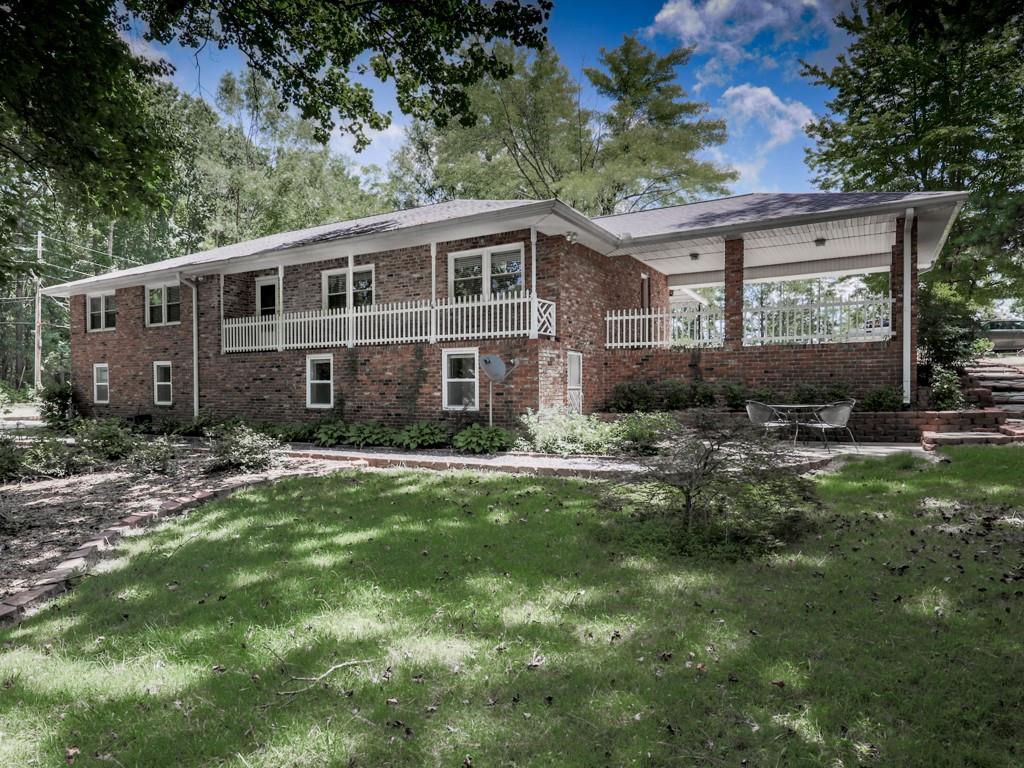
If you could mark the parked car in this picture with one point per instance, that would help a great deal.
(1007, 335)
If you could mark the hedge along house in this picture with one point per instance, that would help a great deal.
(386, 317)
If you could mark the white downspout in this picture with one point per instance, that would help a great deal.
(195, 343)
(534, 319)
(908, 258)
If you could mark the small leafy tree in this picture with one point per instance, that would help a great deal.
(703, 461)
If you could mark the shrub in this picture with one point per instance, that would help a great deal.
(671, 396)
(50, 456)
(156, 455)
(105, 439)
(477, 438)
(630, 396)
(948, 326)
(10, 459)
(56, 406)
(639, 434)
(808, 393)
(764, 394)
(422, 435)
(734, 395)
(946, 393)
(372, 433)
(331, 433)
(884, 399)
(563, 433)
(241, 447)
(702, 395)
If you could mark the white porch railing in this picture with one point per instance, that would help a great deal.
(665, 327)
(399, 323)
(829, 322)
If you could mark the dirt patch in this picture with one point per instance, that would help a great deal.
(43, 519)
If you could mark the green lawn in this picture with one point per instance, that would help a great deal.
(502, 620)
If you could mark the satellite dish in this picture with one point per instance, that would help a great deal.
(495, 370)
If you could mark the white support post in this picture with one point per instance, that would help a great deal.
(37, 342)
(195, 348)
(433, 292)
(350, 322)
(222, 313)
(908, 289)
(534, 320)
(280, 307)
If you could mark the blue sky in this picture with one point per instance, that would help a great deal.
(746, 67)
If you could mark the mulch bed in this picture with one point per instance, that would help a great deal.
(41, 520)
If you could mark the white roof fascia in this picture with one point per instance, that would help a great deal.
(786, 221)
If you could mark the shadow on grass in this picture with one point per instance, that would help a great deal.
(496, 624)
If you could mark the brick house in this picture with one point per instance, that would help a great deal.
(386, 317)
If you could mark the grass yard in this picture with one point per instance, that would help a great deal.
(507, 621)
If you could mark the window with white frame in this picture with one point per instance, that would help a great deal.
(162, 390)
(334, 288)
(266, 296)
(102, 310)
(461, 382)
(100, 384)
(320, 381)
(488, 272)
(163, 304)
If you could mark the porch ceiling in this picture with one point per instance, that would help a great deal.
(854, 245)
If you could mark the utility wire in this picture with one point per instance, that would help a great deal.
(94, 250)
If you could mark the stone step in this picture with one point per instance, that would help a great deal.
(1005, 384)
(1012, 407)
(1008, 397)
(931, 440)
(1013, 429)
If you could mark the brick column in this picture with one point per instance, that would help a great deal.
(733, 294)
(896, 289)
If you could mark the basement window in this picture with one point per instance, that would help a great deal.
(162, 391)
(461, 382)
(320, 381)
(100, 384)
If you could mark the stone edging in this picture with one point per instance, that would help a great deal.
(75, 564)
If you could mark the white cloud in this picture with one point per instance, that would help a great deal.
(758, 122)
(726, 30)
(781, 119)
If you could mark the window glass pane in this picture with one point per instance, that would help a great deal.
(156, 306)
(336, 283)
(268, 298)
(102, 375)
(173, 294)
(362, 288)
(461, 394)
(95, 304)
(102, 393)
(461, 367)
(336, 301)
(506, 272)
(163, 393)
(320, 393)
(110, 312)
(173, 313)
(163, 373)
(173, 304)
(320, 370)
(467, 276)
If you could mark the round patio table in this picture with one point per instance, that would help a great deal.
(793, 412)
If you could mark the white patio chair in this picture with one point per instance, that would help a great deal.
(763, 415)
(834, 416)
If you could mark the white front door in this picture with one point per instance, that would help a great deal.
(574, 381)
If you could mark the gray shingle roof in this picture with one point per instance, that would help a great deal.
(743, 209)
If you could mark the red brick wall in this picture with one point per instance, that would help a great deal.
(129, 352)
